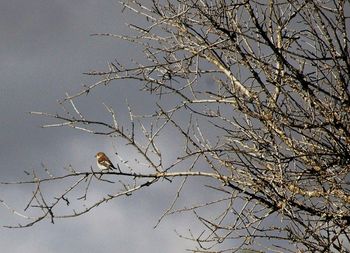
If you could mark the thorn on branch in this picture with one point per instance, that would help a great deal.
(66, 200)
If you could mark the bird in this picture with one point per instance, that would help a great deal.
(103, 162)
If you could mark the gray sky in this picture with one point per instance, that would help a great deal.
(44, 49)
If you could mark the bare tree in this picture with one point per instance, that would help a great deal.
(258, 91)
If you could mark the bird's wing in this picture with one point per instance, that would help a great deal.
(105, 163)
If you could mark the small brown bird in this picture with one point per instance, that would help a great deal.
(103, 162)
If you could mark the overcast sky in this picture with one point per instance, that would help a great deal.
(44, 49)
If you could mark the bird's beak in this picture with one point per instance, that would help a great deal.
(95, 155)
